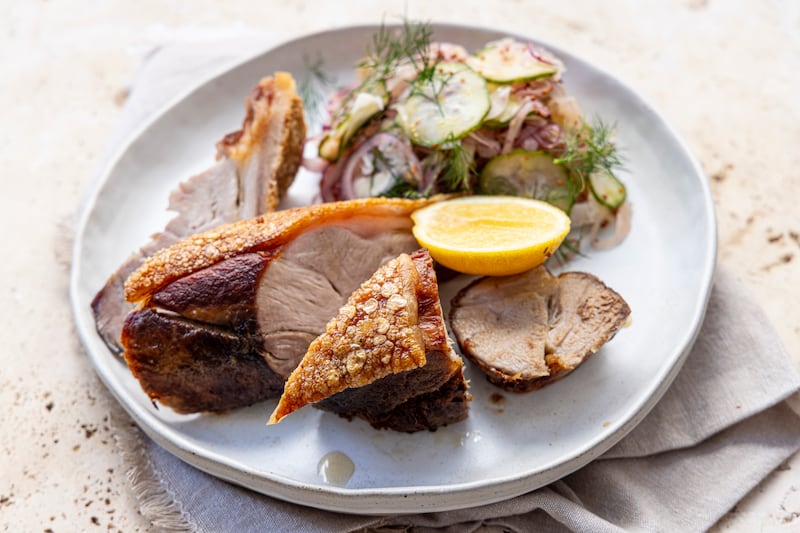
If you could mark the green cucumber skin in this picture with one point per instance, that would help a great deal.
(347, 129)
(483, 67)
(610, 192)
(506, 169)
(450, 129)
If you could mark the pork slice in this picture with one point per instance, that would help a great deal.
(203, 202)
(528, 330)
(207, 368)
(444, 406)
(255, 166)
(268, 149)
(109, 306)
(311, 280)
(385, 357)
(275, 300)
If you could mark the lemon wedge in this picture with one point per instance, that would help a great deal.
(490, 235)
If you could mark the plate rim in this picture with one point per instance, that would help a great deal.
(409, 499)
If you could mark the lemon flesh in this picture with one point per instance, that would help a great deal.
(490, 235)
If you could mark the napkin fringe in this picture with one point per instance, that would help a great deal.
(157, 503)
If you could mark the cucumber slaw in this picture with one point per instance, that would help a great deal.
(490, 122)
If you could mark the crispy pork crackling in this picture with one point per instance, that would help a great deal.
(385, 357)
(223, 317)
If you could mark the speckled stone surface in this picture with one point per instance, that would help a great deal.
(724, 73)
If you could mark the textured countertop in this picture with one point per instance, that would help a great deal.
(725, 74)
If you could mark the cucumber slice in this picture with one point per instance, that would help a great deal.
(528, 174)
(500, 116)
(364, 106)
(607, 189)
(446, 107)
(498, 100)
(510, 61)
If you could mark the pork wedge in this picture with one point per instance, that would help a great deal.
(529, 330)
(268, 149)
(255, 166)
(385, 356)
(222, 318)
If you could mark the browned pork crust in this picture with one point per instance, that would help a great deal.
(255, 166)
(386, 356)
(262, 234)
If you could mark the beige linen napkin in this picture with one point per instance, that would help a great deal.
(720, 429)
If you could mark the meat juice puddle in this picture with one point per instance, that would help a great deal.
(336, 468)
(455, 438)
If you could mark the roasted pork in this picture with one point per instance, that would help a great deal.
(225, 316)
(255, 165)
(385, 357)
(528, 330)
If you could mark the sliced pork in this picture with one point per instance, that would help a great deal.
(246, 299)
(255, 165)
(528, 330)
(385, 356)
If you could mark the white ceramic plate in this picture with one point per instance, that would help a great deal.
(664, 270)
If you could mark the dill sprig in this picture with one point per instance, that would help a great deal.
(393, 48)
(588, 148)
(382, 163)
(402, 189)
(430, 87)
(390, 48)
(459, 166)
(570, 247)
(314, 87)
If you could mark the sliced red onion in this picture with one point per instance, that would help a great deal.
(482, 138)
(592, 214)
(422, 184)
(530, 144)
(548, 136)
(329, 184)
(487, 152)
(429, 175)
(537, 121)
(538, 56)
(540, 108)
(535, 89)
(515, 125)
(376, 141)
(528, 131)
